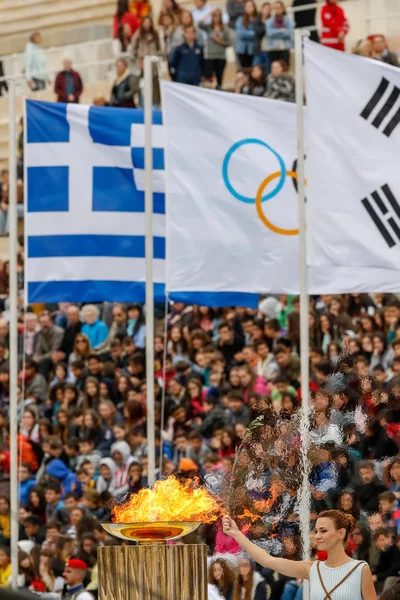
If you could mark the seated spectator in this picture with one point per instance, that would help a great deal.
(136, 327)
(146, 42)
(35, 63)
(377, 444)
(5, 567)
(93, 327)
(389, 558)
(257, 83)
(251, 383)
(55, 509)
(34, 529)
(217, 41)
(369, 489)
(289, 364)
(141, 9)
(124, 16)
(381, 51)
(187, 60)
(249, 579)
(124, 89)
(364, 48)
(335, 26)
(246, 26)
(222, 576)
(68, 84)
(26, 482)
(47, 343)
(214, 418)
(242, 78)
(35, 383)
(387, 506)
(279, 29)
(280, 85)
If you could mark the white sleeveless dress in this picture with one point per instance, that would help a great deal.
(348, 590)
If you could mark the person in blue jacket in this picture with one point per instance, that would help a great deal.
(26, 481)
(247, 34)
(96, 330)
(187, 60)
(68, 480)
(279, 30)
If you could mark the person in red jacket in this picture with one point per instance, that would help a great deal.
(68, 84)
(124, 15)
(334, 26)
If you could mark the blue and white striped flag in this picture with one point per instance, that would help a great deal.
(84, 215)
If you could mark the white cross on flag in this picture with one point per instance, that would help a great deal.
(353, 176)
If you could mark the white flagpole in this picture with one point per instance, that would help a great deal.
(305, 496)
(148, 167)
(13, 299)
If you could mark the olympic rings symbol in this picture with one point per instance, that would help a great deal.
(260, 198)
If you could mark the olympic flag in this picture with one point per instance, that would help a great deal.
(232, 218)
(352, 167)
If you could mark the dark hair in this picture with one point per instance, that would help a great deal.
(122, 8)
(156, 39)
(73, 443)
(381, 531)
(55, 486)
(33, 520)
(273, 324)
(78, 364)
(54, 525)
(324, 366)
(31, 364)
(246, 17)
(340, 520)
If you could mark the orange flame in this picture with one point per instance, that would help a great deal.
(249, 515)
(266, 505)
(169, 500)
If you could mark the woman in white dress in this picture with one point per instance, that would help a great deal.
(338, 578)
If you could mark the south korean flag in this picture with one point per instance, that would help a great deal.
(353, 172)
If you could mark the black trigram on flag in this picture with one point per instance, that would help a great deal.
(384, 210)
(384, 118)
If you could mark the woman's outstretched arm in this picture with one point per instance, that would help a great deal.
(300, 569)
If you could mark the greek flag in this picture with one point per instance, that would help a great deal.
(84, 213)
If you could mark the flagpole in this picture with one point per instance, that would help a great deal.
(13, 358)
(305, 496)
(148, 168)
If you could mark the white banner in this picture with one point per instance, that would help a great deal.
(353, 172)
(232, 213)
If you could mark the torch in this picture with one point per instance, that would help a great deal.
(157, 568)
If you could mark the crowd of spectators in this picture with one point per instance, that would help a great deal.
(192, 48)
(82, 440)
(219, 373)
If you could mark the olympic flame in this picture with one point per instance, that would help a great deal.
(169, 500)
(266, 505)
(249, 515)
